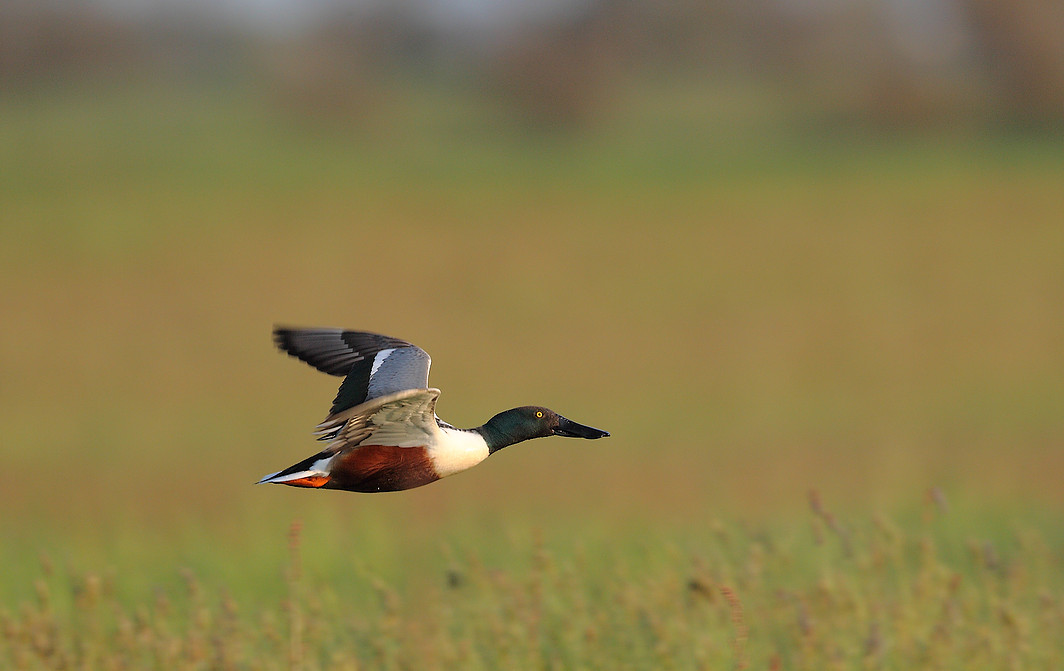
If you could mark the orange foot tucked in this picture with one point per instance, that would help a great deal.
(309, 481)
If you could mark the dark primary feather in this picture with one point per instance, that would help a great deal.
(333, 351)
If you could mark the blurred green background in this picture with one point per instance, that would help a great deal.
(771, 247)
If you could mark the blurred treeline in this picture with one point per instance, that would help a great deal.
(883, 62)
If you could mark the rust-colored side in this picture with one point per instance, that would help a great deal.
(382, 468)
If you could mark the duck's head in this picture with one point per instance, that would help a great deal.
(533, 421)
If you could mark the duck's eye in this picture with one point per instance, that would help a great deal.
(539, 413)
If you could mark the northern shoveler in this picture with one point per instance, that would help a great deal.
(383, 430)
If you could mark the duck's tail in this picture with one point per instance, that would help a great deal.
(312, 472)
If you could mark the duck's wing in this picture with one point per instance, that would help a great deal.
(374, 365)
(403, 419)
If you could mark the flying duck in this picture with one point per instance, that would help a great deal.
(382, 429)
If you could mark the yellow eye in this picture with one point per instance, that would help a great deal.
(539, 413)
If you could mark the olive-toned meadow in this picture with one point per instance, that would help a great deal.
(832, 364)
(825, 595)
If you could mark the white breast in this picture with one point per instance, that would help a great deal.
(456, 450)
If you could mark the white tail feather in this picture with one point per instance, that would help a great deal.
(293, 476)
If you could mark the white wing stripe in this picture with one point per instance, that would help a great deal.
(379, 359)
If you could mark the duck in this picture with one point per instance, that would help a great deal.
(382, 429)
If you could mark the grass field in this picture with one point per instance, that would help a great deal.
(831, 364)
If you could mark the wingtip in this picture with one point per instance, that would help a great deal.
(281, 333)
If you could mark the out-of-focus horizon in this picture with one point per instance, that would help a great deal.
(884, 62)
